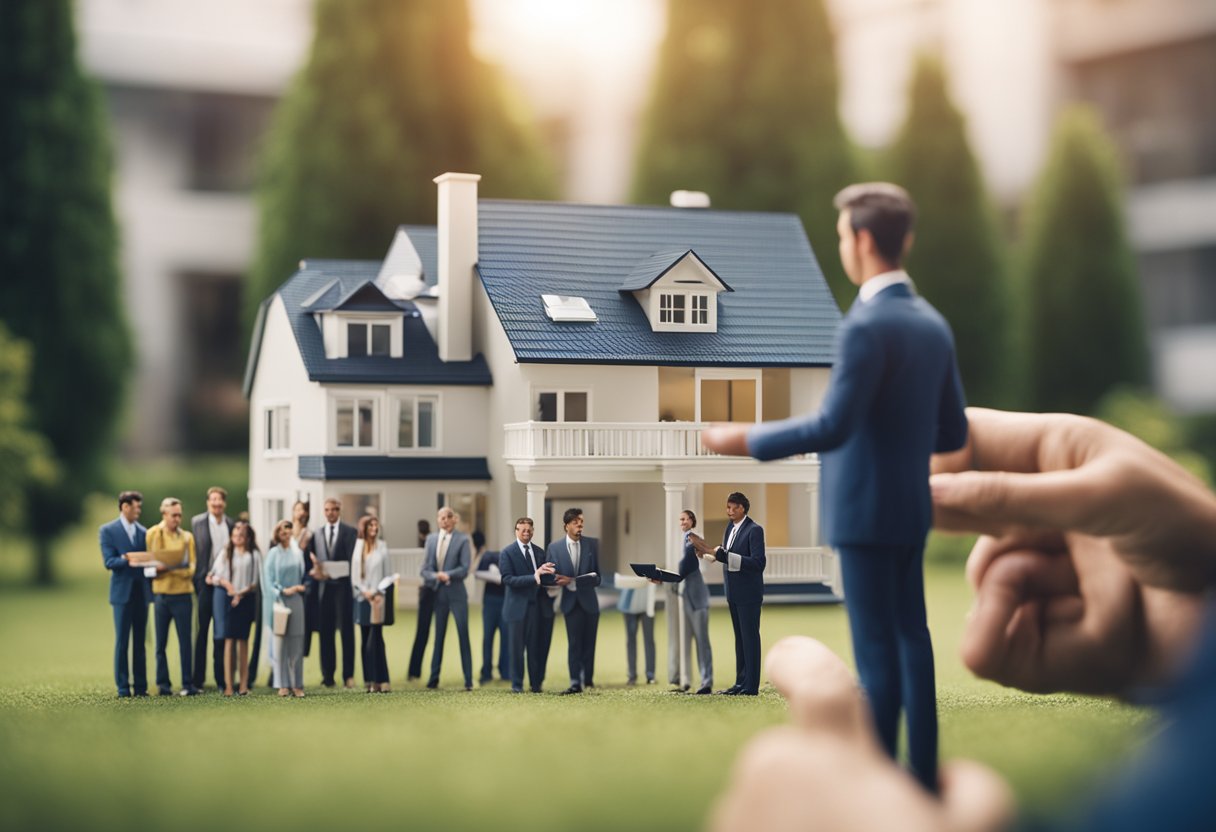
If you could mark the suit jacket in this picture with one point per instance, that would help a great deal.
(202, 547)
(124, 579)
(344, 546)
(694, 590)
(518, 577)
(588, 561)
(745, 586)
(455, 563)
(895, 398)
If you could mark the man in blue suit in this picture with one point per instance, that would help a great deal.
(576, 555)
(130, 593)
(446, 565)
(527, 608)
(895, 399)
(742, 553)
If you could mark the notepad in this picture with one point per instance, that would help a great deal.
(335, 568)
(654, 573)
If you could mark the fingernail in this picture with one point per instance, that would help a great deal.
(941, 486)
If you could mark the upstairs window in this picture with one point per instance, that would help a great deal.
(683, 308)
(671, 308)
(355, 423)
(368, 339)
(278, 428)
(562, 406)
(416, 422)
(700, 310)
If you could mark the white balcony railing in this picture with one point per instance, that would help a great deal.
(605, 440)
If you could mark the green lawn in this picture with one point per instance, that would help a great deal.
(618, 758)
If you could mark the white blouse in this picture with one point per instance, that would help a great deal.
(244, 572)
(377, 568)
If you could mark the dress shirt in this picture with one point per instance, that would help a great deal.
(129, 528)
(219, 535)
(331, 539)
(882, 281)
(733, 562)
(572, 546)
(243, 574)
(441, 551)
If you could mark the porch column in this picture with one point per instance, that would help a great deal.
(536, 510)
(812, 491)
(675, 551)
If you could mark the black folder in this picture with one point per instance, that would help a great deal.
(654, 573)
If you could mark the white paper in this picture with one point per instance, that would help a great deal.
(149, 571)
(387, 582)
(623, 581)
(335, 568)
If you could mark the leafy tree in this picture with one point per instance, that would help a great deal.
(1084, 322)
(25, 456)
(58, 255)
(745, 108)
(958, 260)
(391, 97)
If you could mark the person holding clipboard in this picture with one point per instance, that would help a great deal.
(373, 608)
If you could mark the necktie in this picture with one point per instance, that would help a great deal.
(731, 540)
(574, 555)
(329, 545)
(443, 548)
(531, 558)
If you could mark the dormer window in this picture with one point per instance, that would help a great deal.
(368, 339)
(678, 291)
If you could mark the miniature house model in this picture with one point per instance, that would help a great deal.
(524, 357)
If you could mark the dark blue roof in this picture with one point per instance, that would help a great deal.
(658, 264)
(420, 363)
(394, 468)
(780, 313)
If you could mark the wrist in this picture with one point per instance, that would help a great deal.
(1172, 621)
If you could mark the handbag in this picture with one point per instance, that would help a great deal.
(282, 613)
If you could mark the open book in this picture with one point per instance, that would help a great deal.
(588, 579)
(649, 570)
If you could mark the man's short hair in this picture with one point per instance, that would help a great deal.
(883, 209)
(129, 497)
(168, 503)
(571, 515)
(333, 501)
(739, 499)
(692, 516)
(215, 489)
(523, 520)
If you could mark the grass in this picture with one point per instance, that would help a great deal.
(76, 757)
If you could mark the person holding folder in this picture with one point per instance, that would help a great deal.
(330, 552)
(577, 572)
(234, 581)
(284, 581)
(691, 598)
(373, 610)
(527, 608)
(129, 593)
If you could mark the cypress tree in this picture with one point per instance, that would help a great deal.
(957, 259)
(25, 456)
(391, 96)
(745, 108)
(58, 255)
(1085, 331)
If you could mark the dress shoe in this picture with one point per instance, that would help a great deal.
(122, 694)
(329, 684)
(748, 693)
(631, 682)
(164, 692)
(468, 688)
(142, 693)
(650, 681)
(432, 684)
(570, 690)
(704, 691)
(412, 678)
(731, 691)
(537, 690)
(517, 690)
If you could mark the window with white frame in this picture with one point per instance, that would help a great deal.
(355, 423)
(699, 314)
(671, 308)
(275, 511)
(368, 339)
(277, 421)
(563, 406)
(417, 422)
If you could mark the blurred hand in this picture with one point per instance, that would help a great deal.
(443, 577)
(563, 580)
(236, 600)
(726, 439)
(317, 572)
(826, 771)
(699, 544)
(1095, 550)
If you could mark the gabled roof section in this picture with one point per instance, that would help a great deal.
(779, 314)
(660, 263)
(349, 278)
(367, 297)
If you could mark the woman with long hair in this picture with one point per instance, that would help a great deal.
(373, 609)
(284, 580)
(235, 576)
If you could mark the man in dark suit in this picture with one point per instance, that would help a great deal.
(527, 607)
(742, 553)
(130, 593)
(449, 554)
(211, 530)
(333, 542)
(895, 399)
(426, 612)
(576, 555)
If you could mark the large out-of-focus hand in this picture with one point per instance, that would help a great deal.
(1095, 550)
(699, 544)
(827, 772)
(726, 439)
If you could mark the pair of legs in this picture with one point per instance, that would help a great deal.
(337, 617)
(375, 659)
(529, 638)
(581, 630)
(289, 664)
(458, 608)
(885, 598)
(491, 623)
(178, 609)
(130, 626)
(426, 611)
(696, 629)
(206, 621)
(233, 647)
(631, 645)
(745, 619)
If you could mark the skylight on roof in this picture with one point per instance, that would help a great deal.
(567, 308)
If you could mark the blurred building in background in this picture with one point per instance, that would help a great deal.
(1147, 66)
(191, 87)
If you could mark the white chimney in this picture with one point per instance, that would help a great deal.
(457, 257)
